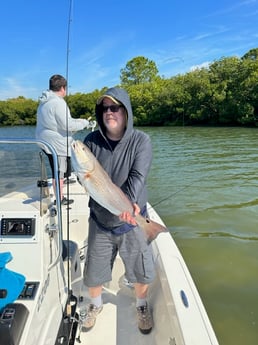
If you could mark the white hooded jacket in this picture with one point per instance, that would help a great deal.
(54, 122)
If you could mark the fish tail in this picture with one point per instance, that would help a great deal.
(150, 228)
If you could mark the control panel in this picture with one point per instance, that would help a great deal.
(29, 290)
(17, 227)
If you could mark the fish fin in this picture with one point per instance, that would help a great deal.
(150, 228)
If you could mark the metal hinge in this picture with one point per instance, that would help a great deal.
(51, 229)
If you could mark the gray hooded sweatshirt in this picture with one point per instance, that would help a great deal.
(55, 124)
(128, 164)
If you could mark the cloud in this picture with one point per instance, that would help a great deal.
(200, 66)
(12, 88)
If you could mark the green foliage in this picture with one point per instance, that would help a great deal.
(18, 111)
(139, 70)
(82, 105)
(225, 93)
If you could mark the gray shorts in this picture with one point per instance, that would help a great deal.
(64, 165)
(102, 250)
(62, 162)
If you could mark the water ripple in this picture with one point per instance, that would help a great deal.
(228, 235)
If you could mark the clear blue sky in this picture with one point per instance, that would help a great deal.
(177, 35)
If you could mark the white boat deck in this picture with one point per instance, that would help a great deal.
(117, 322)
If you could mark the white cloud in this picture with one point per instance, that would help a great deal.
(202, 65)
(12, 88)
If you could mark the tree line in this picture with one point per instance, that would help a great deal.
(223, 94)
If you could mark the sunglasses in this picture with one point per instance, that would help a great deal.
(113, 108)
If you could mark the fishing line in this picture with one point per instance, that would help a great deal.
(172, 194)
(183, 188)
(176, 192)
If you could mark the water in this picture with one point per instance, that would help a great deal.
(210, 178)
(203, 184)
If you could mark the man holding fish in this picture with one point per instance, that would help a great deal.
(115, 225)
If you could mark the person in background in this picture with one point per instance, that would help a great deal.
(54, 125)
(126, 155)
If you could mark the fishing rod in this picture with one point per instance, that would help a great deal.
(68, 308)
(68, 41)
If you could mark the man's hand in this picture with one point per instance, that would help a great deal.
(127, 217)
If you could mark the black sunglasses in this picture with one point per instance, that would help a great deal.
(113, 108)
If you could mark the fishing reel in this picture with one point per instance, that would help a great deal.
(92, 124)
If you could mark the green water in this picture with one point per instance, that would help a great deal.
(203, 183)
(209, 176)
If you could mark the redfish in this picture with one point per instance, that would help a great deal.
(100, 187)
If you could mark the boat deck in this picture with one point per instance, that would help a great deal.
(117, 322)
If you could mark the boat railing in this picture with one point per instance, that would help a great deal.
(20, 170)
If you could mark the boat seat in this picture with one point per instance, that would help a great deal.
(12, 323)
(71, 247)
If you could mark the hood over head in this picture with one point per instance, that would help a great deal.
(118, 96)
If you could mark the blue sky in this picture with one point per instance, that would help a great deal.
(104, 35)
